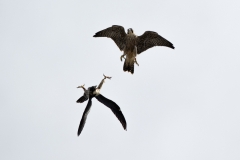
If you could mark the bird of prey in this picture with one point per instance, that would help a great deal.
(92, 92)
(131, 44)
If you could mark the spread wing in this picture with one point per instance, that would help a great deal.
(116, 33)
(114, 107)
(84, 116)
(150, 39)
(83, 98)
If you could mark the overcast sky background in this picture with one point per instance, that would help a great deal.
(180, 104)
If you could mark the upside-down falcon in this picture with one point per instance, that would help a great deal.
(131, 45)
(92, 92)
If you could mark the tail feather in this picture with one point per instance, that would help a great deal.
(128, 66)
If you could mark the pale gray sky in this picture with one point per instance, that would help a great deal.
(180, 104)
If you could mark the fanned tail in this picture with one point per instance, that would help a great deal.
(128, 66)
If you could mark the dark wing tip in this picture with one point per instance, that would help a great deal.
(125, 126)
(79, 132)
(97, 34)
(123, 122)
(170, 45)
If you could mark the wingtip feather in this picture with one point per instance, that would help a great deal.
(96, 34)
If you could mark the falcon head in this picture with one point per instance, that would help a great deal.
(130, 31)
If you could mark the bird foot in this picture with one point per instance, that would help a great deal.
(106, 77)
(82, 86)
(122, 57)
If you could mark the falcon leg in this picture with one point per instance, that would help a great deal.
(101, 83)
(122, 56)
(135, 60)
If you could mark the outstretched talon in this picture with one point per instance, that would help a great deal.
(106, 77)
(82, 86)
(101, 83)
(135, 60)
(122, 57)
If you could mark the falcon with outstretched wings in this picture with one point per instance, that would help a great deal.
(132, 45)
